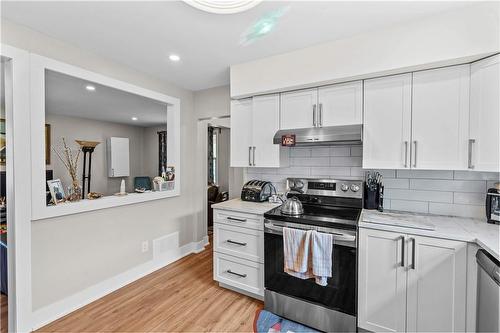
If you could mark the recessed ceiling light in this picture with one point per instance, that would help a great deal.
(174, 57)
(135, 118)
(90, 88)
(223, 6)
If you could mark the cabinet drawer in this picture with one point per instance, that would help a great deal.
(239, 242)
(245, 220)
(239, 273)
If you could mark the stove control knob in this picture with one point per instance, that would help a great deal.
(344, 187)
(291, 184)
(354, 188)
(299, 184)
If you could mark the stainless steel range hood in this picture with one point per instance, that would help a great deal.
(332, 135)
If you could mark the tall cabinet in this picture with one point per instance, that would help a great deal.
(484, 138)
(411, 283)
(254, 121)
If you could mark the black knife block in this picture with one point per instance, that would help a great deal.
(374, 197)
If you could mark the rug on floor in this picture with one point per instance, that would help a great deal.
(268, 322)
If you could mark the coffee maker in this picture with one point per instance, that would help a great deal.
(493, 204)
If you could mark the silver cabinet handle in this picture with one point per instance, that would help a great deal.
(471, 143)
(413, 248)
(236, 243)
(415, 154)
(250, 156)
(320, 117)
(314, 116)
(403, 244)
(236, 219)
(237, 274)
(406, 154)
(253, 158)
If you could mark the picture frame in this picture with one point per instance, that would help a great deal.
(3, 142)
(56, 189)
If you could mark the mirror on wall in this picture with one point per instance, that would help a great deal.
(101, 141)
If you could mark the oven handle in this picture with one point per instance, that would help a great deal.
(336, 236)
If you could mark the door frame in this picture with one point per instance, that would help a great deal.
(18, 188)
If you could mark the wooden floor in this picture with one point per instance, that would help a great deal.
(179, 298)
(3, 313)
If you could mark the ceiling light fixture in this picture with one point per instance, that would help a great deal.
(135, 118)
(223, 6)
(174, 57)
(90, 88)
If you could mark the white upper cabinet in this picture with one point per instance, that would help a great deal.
(440, 118)
(254, 121)
(265, 119)
(484, 140)
(299, 109)
(241, 132)
(387, 122)
(340, 104)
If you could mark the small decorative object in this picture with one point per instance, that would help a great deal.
(122, 189)
(94, 195)
(170, 173)
(56, 191)
(3, 202)
(158, 183)
(140, 190)
(69, 158)
(87, 148)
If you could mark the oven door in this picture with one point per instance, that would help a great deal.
(340, 292)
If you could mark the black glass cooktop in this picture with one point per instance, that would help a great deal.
(326, 216)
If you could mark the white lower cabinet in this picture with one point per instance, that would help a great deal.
(239, 251)
(411, 283)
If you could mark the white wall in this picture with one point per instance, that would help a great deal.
(72, 253)
(212, 102)
(448, 38)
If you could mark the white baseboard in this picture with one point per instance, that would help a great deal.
(59, 309)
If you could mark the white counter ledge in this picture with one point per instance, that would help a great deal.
(238, 205)
(448, 227)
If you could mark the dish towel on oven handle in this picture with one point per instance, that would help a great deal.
(308, 254)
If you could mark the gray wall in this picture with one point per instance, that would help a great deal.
(457, 193)
(74, 252)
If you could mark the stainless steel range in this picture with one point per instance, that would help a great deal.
(329, 206)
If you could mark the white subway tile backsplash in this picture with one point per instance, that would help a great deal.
(396, 183)
(449, 185)
(469, 198)
(410, 206)
(418, 195)
(474, 175)
(472, 211)
(459, 193)
(345, 161)
(310, 161)
(425, 174)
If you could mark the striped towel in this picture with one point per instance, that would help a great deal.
(308, 254)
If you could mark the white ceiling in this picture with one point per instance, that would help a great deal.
(141, 35)
(67, 96)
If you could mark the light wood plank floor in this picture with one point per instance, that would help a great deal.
(3, 313)
(181, 297)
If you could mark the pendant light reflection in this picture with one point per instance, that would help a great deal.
(262, 26)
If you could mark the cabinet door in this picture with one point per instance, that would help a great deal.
(436, 285)
(387, 121)
(297, 108)
(241, 132)
(484, 114)
(381, 281)
(440, 118)
(265, 117)
(341, 104)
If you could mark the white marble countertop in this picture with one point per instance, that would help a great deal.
(477, 231)
(239, 205)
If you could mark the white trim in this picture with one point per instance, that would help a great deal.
(18, 191)
(65, 306)
(39, 209)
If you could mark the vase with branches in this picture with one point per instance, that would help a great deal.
(69, 158)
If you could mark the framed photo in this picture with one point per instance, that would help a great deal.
(56, 190)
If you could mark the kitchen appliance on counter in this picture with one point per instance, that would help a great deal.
(329, 206)
(488, 289)
(257, 191)
(493, 204)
